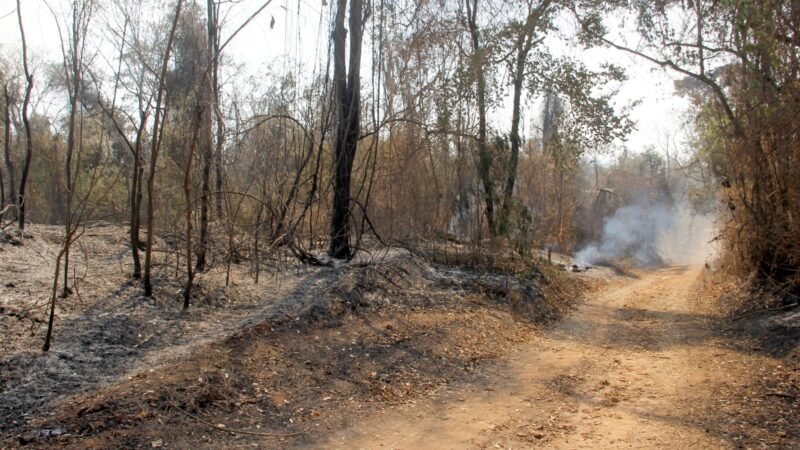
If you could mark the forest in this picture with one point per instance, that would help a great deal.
(420, 189)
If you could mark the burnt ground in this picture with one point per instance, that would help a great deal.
(402, 348)
(307, 349)
(106, 328)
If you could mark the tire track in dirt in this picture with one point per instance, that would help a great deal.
(627, 369)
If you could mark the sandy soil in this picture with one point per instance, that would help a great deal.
(640, 365)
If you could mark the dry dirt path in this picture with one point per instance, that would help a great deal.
(630, 368)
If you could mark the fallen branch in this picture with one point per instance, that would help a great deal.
(781, 394)
(304, 256)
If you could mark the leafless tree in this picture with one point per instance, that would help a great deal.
(26, 166)
(155, 146)
(12, 188)
(209, 94)
(73, 65)
(187, 195)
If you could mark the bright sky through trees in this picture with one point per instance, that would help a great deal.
(283, 39)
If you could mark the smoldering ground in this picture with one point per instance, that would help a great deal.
(651, 235)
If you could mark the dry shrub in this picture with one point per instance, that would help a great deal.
(762, 189)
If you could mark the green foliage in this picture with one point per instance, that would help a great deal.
(593, 120)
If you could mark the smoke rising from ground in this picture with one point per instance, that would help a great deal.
(652, 235)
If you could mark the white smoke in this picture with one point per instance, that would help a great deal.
(652, 235)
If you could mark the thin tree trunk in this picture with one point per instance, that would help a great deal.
(53, 296)
(148, 256)
(136, 199)
(516, 141)
(26, 165)
(2, 196)
(256, 235)
(561, 242)
(296, 183)
(209, 97)
(218, 196)
(214, 51)
(12, 181)
(187, 195)
(205, 198)
(76, 71)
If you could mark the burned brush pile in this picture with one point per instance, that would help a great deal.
(411, 282)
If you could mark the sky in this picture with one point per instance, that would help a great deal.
(297, 42)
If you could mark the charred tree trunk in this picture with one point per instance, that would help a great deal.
(136, 199)
(205, 198)
(26, 165)
(214, 53)
(218, 196)
(52, 306)
(210, 153)
(256, 250)
(2, 196)
(347, 86)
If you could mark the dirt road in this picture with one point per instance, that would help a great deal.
(630, 369)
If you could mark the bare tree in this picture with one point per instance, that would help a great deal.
(187, 195)
(139, 122)
(209, 97)
(73, 64)
(214, 52)
(155, 146)
(137, 179)
(213, 145)
(12, 182)
(84, 207)
(26, 166)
